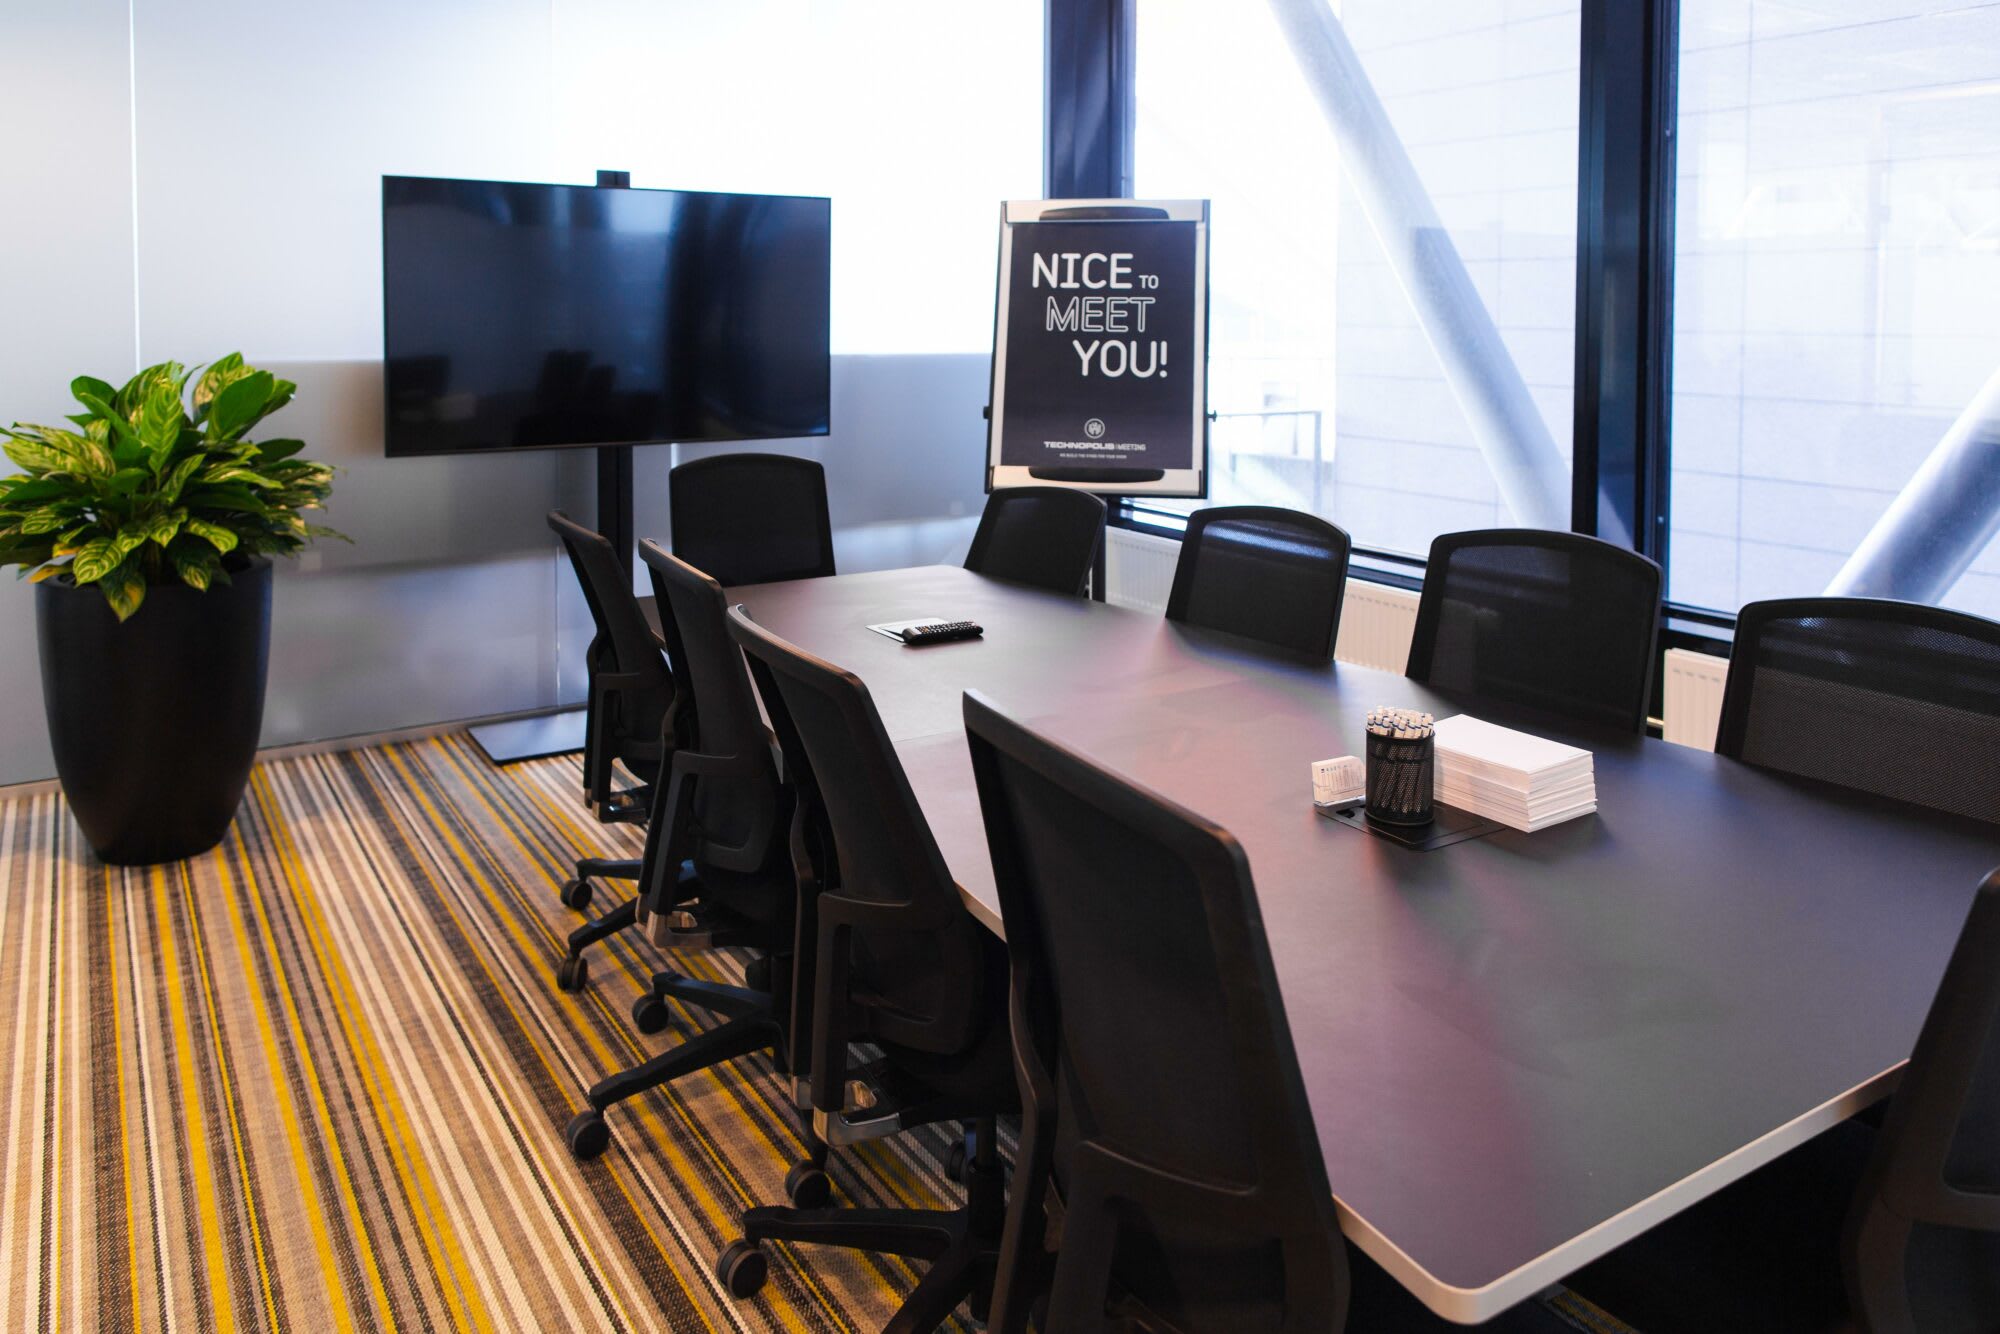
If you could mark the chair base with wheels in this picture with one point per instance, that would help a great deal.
(751, 1013)
(961, 1246)
(755, 1029)
(576, 892)
(573, 970)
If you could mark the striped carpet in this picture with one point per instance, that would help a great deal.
(317, 1079)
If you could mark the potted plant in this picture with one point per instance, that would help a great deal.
(149, 529)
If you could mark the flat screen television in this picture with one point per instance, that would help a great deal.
(539, 316)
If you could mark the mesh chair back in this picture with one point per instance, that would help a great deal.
(752, 518)
(738, 804)
(1146, 1008)
(1885, 697)
(925, 975)
(1559, 622)
(1045, 536)
(1917, 1257)
(1273, 575)
(627, 723)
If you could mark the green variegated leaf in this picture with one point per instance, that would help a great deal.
(159, 422)
(239, 404)
(91, 456)
(197, 570)
(33, 456)
(96, 560)
(45, 520)
(30, 571)
(140, 387)
(222, 539)
(127, 480)
(93, 387)
(91, 459)
(161, 528)
(247, 476)
(177, 478)
(124, 588)
(222, 373)
(271, 451)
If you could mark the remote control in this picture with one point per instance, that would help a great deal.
(940, 631)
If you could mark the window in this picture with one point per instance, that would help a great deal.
(1836, 288)
(1354, 368)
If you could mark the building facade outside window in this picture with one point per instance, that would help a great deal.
(1339, 371)
(1837, 297)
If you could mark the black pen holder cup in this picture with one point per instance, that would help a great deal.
(1401, 779)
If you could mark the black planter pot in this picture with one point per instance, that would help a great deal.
(154, 722)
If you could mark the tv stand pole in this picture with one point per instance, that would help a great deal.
(560, 731)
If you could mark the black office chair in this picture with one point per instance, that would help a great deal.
(1923, 1243)
(1273, 575)
(720, 828)
(1559, 622)
(1162, 1101)
(901, 964)
(1044, 536)
(752, 518)
(632, 715)
(1919, 1249)
(1892, 698)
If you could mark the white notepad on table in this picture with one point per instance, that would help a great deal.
(1519, 779)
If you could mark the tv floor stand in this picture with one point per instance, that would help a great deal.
(548, 732)
(559, 731)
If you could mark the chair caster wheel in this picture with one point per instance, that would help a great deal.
(587, 1135)
(742, 1268)
(808, 1187)
(575, 894)
(649, 1014)
(757, 974)
(572, 973)
(954, 1162)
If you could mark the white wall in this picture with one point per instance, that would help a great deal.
(207, 180)
(66, 285)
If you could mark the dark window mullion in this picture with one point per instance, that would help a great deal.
(1624, 271)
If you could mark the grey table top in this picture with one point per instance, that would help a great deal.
(1520, 1050)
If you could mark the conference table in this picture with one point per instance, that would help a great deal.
(1521, 1050)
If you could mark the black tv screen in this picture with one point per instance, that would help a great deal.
(535, 316)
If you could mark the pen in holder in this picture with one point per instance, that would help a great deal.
(1402, 754)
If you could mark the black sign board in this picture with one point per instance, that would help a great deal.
(1100, 354)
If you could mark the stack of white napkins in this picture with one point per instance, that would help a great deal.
(1523, 781)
